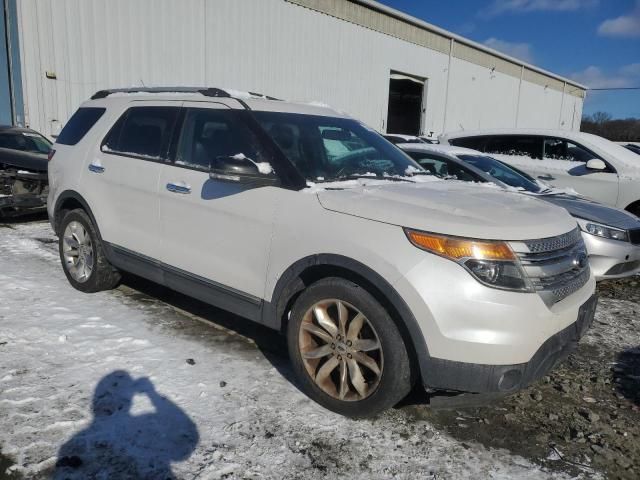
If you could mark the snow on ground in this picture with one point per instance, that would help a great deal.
(120, 385)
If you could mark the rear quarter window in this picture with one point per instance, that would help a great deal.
(79, 124)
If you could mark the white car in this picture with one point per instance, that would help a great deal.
(593, 166)
(378, 276)
(612, 236)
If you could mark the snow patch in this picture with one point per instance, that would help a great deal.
(264, 168)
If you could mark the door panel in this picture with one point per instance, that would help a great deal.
(217, 230)
(572, 173)
(126, 172)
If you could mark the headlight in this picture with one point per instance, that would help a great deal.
(605, 232)
(492, 263)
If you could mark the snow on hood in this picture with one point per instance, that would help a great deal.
(594, 212)
(453, 208)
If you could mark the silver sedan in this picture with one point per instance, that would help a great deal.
(612, 236)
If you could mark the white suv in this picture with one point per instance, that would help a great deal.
(591, 165)
(309, 222)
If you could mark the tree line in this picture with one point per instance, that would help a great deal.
(602, 124)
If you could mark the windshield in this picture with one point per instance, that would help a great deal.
(328, 149)
(25, 142)
(501, 172)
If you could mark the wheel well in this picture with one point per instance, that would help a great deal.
(65, 206)
(314, 273)
(634, 208)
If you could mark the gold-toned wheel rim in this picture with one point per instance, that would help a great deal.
(340, 350)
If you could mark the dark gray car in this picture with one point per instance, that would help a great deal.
(23, 170)
(612, 235)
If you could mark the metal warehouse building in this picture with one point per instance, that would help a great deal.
(395, 72)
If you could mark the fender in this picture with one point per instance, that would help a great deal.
(72, 195)
(293, 281)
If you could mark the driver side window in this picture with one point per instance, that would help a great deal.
(560, 149)
(210, 134)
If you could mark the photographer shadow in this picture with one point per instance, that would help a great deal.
(119, 444)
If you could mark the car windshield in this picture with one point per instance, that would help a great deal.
(501, 172)
(327, 149)
(25, 142)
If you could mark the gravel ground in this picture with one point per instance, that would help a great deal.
(584, 416)
(582, 421)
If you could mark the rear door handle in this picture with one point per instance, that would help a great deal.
(175, 188)
(96, 168)
(546, 177)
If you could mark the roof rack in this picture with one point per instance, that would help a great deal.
(207, 92)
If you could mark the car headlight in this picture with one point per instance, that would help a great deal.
(605, 232)
(492, 263)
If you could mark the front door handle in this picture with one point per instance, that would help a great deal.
(546, 177)
(96, 168)
(175, 188)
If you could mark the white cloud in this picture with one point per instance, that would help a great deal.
(623, 26)
(520, 6)
(521, 51)
(595, 77)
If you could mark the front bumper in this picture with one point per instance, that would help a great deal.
(611, 258)
(478, 378)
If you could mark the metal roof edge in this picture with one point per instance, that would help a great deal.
(458, 38)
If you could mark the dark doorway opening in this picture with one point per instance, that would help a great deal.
(405, 105)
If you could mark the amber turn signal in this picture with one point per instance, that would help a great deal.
(456, 248)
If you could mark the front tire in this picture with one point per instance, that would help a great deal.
(82, 255)
(346, 350)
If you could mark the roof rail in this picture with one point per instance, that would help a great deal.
(206, 91)
(209, 92)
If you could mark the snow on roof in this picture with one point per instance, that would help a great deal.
(255, 101)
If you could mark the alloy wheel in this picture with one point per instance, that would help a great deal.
(77, 250)
(340, 350)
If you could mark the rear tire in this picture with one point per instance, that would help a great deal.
(82, 255)
(346, 350)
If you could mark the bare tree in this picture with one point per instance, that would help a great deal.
(602, 124)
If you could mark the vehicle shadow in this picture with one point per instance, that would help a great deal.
(271, 344)
(626, 374)
(119, 444)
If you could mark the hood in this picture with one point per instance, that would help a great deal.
(594, 212)
(23, 160)
(452, 208)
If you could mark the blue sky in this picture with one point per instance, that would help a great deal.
(596, 42)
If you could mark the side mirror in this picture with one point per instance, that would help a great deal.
(596, 164)
(240, 169)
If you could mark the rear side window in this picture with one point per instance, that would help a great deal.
(79, 124)
(143, 132)
(524, 146)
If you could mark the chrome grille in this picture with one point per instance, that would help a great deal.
(557, 267)
(554, 243)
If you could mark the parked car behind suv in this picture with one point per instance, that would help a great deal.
(612, 236)
(309, 222)
(23, 170)
(593, 166)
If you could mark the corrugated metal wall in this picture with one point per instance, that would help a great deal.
(272, 46)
